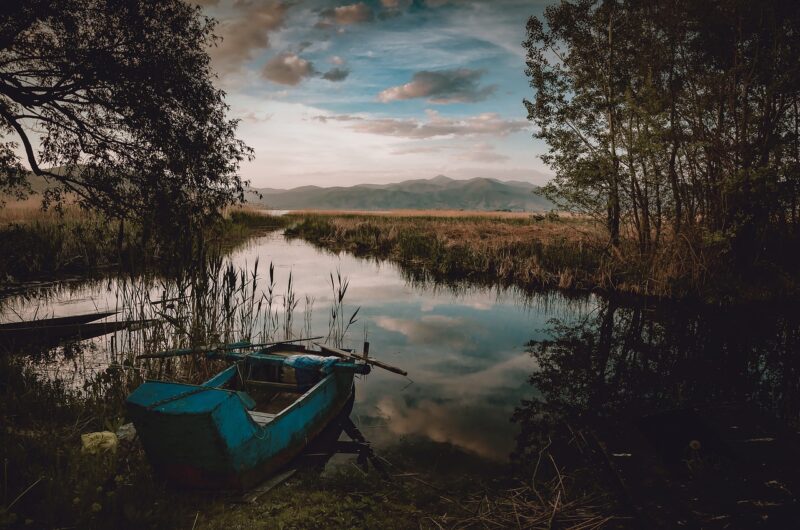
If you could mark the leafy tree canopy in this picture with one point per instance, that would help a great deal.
(118, 96)
(669, 118)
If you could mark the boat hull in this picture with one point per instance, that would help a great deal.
(205, 438)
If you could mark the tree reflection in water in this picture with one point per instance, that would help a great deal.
(622, 362)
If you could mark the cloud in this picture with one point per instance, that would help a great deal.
(393, 8)
(287, 69)
(436, 125)
(346, 15)
(336, 74)
(445, 420)
(253, 117)
(439, 3)
(335, 59)
(443, 86)
(244, 32)
(337, 117)
(482, 152)
(416, 150)
(395, 4)
(427, 329)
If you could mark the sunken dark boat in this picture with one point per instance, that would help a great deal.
(50, 332)
(247, 421)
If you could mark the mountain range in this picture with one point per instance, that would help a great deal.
(440, 192)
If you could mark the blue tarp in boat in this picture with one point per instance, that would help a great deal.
(308, 367)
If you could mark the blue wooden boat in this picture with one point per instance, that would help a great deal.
(244, 423)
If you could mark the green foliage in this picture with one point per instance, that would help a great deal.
(86, 244)
(666, 118)
(122, 93)
(47, 248)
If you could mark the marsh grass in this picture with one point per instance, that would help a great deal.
(47, 402)
(542, 251)
(47, 245)
(512, 250)
(338, 323)
(52, 245)
(210, 305)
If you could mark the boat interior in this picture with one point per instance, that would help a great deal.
(266, 384)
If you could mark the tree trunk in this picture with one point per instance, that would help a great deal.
(613, 194)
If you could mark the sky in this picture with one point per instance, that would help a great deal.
(335, 93)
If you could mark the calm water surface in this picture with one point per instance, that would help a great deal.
(471, 352)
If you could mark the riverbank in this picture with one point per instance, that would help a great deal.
(51, 245)
(541, 251)
(50, 481)
(48, 401)
(455, 458)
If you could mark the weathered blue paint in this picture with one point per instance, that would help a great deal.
(203, 435)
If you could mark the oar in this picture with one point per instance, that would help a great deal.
(220, 347)
(190, 351)
(369, 360)
(277, 343)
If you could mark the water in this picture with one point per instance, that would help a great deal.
(477, 355)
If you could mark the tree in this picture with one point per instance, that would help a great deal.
(673, 110)
(118, 95)
(573, 66)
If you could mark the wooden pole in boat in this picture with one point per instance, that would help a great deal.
(264, 344)
(347, 355)
(190, 351)
(221, 347)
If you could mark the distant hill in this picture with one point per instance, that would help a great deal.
(437, 193)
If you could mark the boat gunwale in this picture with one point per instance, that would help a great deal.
(335, 397)
(281, 414)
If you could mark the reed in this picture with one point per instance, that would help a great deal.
(308, 312)
(269, 324)
(543, 251)
(515, 250)
(41, 244)
(290, 302)
(338, 323)
(46, 402)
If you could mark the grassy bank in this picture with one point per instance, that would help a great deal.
(541, 252)
(49, 482)
(48, 401)
(41, 245)
(511, 250)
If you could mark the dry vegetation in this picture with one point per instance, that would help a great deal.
(534, 251)
(51, 244)
(510, 250)
(30, 209)
(423, 213)
(57, 485)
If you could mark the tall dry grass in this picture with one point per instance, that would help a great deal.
(566, 252)
(48, 401)
(48, 244)
(523, 250)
